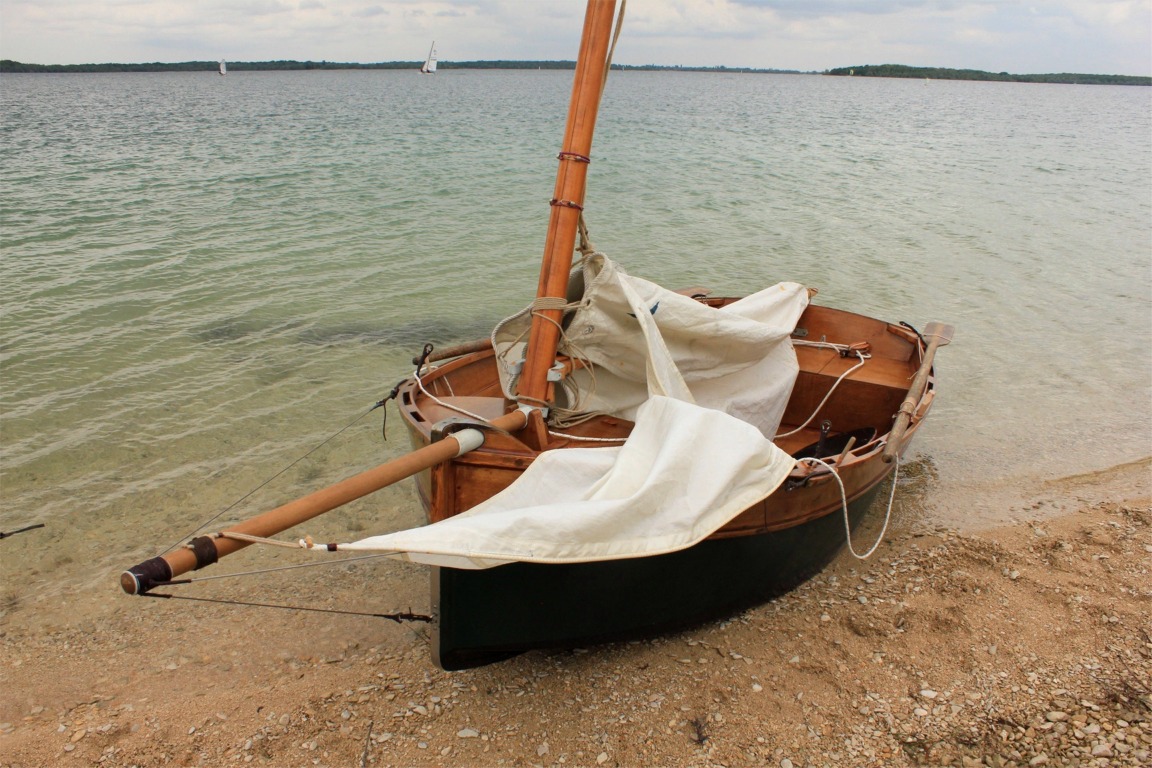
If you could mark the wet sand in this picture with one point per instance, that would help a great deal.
(1027, 643)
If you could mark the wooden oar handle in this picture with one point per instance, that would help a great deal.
(940, 335)
(204, 550)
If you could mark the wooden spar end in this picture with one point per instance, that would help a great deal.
(140, 578)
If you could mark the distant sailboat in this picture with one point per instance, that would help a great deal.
(223, 67)
(429, 67)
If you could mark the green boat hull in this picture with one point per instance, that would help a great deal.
(485, 616)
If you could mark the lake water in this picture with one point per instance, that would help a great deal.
(204, 277)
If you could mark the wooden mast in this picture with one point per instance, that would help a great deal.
(568, 200)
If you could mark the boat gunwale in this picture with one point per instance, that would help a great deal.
(410, 396)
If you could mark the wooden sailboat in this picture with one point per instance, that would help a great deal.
(862, 388)
(429, 65)
(766, 550)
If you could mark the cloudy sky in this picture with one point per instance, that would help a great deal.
(1018, 36)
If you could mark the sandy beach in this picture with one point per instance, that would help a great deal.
(214, 279)
(1024, 644)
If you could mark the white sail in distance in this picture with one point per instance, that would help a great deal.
(429, 67)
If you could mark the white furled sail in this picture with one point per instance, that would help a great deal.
(429, 67)
(643, 340)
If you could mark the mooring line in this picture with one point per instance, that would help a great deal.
(6, 534)
(398, 617)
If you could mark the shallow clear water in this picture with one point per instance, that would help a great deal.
(204, 277)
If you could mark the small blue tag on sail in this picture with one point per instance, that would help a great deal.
(652, 311)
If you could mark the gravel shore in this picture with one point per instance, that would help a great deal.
(1028, 644)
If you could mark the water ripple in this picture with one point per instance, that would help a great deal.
(203, 276)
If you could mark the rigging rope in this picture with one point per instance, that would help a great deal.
(615, 38)
(827, 345)
(582, 438)
(420, 383)
(234, 504)
(398, 617)
(278, 568)
(844, 506)
(254, 539)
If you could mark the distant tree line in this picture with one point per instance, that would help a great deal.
(8, 65)
(939, 73)
(866, 70)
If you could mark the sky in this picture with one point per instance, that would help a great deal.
(1017, 36)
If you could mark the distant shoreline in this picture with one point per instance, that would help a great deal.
(938, 73)
(252, 66)
(866, 70)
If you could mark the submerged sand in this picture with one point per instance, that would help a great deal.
(1027, 643)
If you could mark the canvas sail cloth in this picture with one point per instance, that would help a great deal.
(644, 340)
(706, 388)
